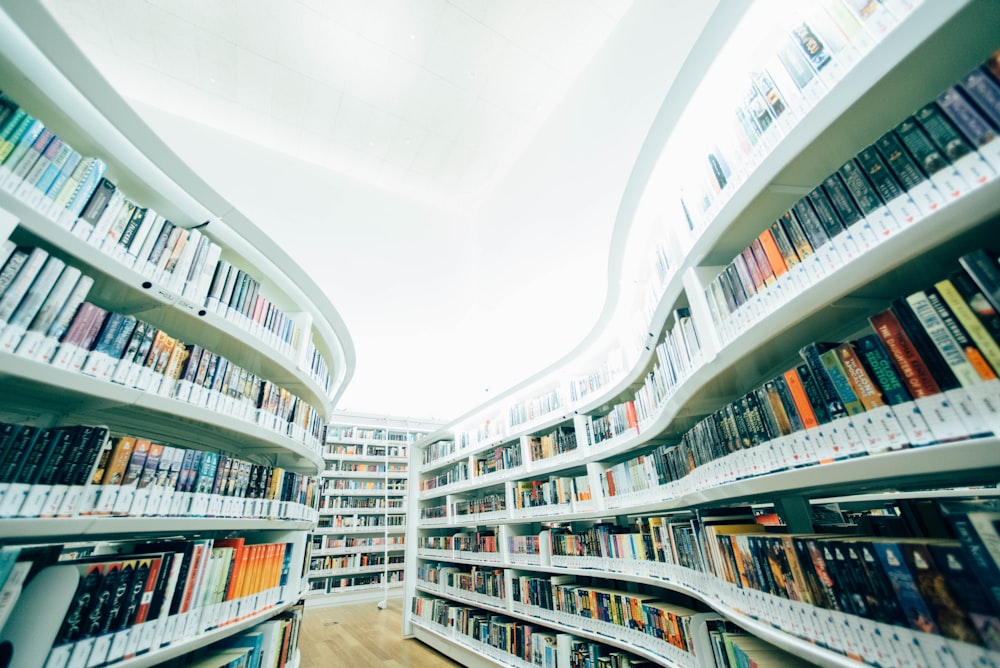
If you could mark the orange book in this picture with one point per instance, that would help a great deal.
(239, 560)
(631, 416)
(774, 257)
(806, 413)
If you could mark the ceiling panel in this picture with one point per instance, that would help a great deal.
(435, 72)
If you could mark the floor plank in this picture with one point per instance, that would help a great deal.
(362, 635)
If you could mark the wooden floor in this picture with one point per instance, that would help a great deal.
(360, 635)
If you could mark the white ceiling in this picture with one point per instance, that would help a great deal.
(448, 171)
(432, 98)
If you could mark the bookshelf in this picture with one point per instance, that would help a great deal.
(358, 548)
(197, 490)
(691, 484)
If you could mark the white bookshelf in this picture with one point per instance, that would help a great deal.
(43, 71)
(935, 44)
(362, 514)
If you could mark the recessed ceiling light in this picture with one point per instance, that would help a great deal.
(406, 140)
(371, 143)
(413, 36)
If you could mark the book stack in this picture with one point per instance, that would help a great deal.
(147, 596)
(481, 505)
(456, 474)
(941, 152)
(45, 316)
(270, 644)
(80, 470)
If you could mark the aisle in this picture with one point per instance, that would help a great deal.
(360, 635)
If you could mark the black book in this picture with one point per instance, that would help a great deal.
(76, 624)
(983, 269)
(919, 144)
(829, 399)
(937, 365)
(902, 165)
(879, 174)
(942, 132)
(825, 212)
(793, 229)
(98, 201)
(841, 200)
(968, 592)
(20, 445)
(888, 608)
(969, 121)
(117, 611)
(98, 618)
(974, 297)
(984, 92)
(810, 222)
(36, 458)
(784, 244)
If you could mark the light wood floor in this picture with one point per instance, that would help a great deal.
(360, 635)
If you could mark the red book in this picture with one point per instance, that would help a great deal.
(909, 364)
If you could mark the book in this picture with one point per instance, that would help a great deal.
(18, 287)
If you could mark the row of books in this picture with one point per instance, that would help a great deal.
(561, 440)
(541, 646)
(111, 607)
(436, 450)
(536, 407)
(434, 512)
(334, 584)
(490, 429)
(378, 434)
(817, 46)
(933, 157)
(334, 485)
(351, 521)
(270, 644)
(523, 546)
(554, 490)
(77, 470)
(326, 563)
(486, 503)
(605, 540)
(485, 582)
(45, 316)
(500, 458)
(355, 467)
(358, 503)
(732, 647)
(642, 612)
(44, 171)
(619, 420)
(456, 474)
(925, 373)
(236, 296)
(323, 543)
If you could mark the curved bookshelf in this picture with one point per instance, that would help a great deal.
(243, 465)
(806, 467)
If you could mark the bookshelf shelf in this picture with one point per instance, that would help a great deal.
(123, 289)
(705, 422)
(103, 528)
(49, 390)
